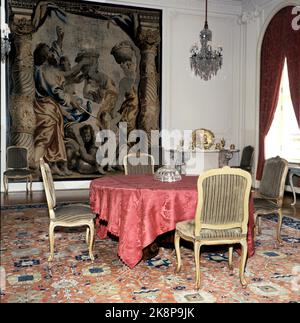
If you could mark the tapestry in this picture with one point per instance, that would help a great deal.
(79, 69)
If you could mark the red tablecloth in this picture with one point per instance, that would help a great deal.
(138, 208)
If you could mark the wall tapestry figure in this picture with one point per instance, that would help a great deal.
(78, 68)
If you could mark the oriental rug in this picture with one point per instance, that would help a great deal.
(273, 273)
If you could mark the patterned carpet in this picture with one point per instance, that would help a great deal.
(273, 272)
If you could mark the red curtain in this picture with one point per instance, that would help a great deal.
(280, 41)
(293, 62)
(272, 60)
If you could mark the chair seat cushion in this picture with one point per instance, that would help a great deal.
(73, 213)
(187, 228)
(17, 172)
(264, 204)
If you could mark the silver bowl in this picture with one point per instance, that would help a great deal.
(167, 174)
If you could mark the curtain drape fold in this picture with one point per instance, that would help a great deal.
(280, 41)
(292, 53)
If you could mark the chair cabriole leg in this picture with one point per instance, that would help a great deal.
(30, 178)
(91, 241)
(177, 250)
(197, 247)
(51, 241)
(5, 184)
(87, 235)
(279, 227)
(230, 254)
(243, 262)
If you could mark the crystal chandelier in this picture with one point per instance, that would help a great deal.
(205, 62)
(5, 42)
(5, 34)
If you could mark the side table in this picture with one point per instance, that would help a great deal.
(294, 169)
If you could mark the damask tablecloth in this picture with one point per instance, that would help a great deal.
(139, 208)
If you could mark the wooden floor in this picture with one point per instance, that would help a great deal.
(38, 197)
(293, 211)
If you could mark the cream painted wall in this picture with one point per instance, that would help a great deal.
(228, 103)
(194, 103)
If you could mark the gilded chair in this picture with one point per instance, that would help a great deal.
(17, 166)
(271, 190)
(221, 216)
(136, 164)
(247, 159)
(75, 215)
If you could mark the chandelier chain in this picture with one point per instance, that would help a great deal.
(205, 62)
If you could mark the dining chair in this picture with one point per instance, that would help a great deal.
(269, 197)
(74, 215)
(138, 164)
(17, 166)
(221, 216)
(247, 159)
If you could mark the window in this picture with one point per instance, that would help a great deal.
(283, 138)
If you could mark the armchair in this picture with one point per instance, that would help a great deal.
(221, 216)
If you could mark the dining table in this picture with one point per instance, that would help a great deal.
(138, 208)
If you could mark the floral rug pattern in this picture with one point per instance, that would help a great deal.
(273, 273)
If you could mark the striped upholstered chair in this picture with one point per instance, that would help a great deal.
(138, 164)
(221, 216)
(65, 216)
(271, 190)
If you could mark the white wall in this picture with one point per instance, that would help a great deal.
(191, 102)
(227, 104)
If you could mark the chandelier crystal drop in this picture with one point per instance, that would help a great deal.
(205, 62)
(5, 42)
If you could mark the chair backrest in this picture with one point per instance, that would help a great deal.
(223, 200)
(273, 179)
(247, 158)
(49, 187)
(138, 164)
(17, 157)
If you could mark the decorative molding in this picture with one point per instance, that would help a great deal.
(224, 6)
(215, 6)
(89, 9)
(247, 16)
(251, 10)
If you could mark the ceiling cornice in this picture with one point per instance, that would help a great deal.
(215, 6)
